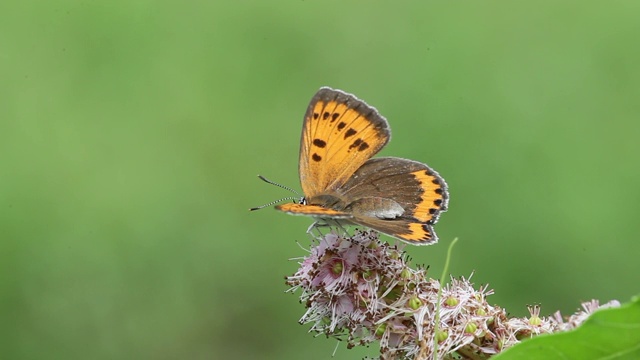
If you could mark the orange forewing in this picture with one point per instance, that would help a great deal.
(339, 134)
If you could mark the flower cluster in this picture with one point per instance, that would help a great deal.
(361, 290)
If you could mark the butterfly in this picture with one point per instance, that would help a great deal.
(343, 184)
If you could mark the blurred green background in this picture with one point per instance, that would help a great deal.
(131, 134)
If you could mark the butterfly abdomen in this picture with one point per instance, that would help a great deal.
(377, 207)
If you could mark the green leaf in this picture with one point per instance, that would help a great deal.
(606, 334)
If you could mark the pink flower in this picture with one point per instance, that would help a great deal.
(362, 290)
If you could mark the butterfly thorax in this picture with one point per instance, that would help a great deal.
(329, 201)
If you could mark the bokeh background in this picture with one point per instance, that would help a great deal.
(131, 134)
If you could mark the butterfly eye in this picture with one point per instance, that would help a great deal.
(302, 201)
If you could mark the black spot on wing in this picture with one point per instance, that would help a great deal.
(359, 144)
(350, 133)
(319, 143)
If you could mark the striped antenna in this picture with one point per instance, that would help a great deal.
(278, 185)
(277, 201)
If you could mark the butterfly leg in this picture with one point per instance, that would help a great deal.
(312, 227)
(322, 223)
(338, 224)
(332, 224)
(316, 226)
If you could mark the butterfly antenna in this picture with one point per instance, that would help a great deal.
(277, 201)
(278, 185)
(274, 202)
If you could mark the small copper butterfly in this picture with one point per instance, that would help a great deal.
(342, 183)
